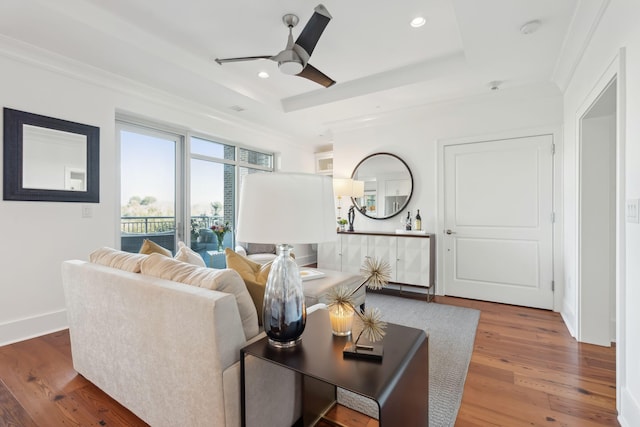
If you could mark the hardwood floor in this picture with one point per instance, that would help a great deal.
(525, 370)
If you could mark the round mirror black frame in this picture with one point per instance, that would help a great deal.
(362, 209)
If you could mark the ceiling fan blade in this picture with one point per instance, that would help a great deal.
(244, 58)
(312, 73)
(311, 32)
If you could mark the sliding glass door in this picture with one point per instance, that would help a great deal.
(149, 187)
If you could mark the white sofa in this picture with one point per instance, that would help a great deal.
(168, 351)
(260, 253)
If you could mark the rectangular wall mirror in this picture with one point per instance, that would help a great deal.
(51, 160)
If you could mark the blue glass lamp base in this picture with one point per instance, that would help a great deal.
(284, 344)
(283, 312)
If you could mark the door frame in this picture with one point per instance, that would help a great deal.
(616, 69)
(555, 132)
(124, 122)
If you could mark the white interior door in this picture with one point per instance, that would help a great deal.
(498, 221)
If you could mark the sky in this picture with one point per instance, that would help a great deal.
(148, 169)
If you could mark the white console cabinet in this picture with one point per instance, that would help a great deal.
(410, 256)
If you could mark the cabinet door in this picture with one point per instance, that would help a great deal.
(329, 255)
(354, 249)
(384, 248)
(324, 163)
(413, 261)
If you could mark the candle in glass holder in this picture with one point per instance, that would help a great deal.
(341, 319)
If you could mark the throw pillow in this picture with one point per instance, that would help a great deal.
(117, 259)
(148, 247)
(260, 248)
(188, 255)
(254, 276)
(226, 280)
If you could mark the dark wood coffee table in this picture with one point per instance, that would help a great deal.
(399, 384)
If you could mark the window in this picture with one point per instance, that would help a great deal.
(213, 183)
(155, 191)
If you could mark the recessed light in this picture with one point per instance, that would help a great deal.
(263, 75)
(530, 27)
(418, 21)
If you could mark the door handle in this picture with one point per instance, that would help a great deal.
(448, 231)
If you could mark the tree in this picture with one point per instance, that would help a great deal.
(216, 206)
(148, 200)
(146, 206)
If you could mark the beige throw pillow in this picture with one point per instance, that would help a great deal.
(188, 255)
(149, 247)
(117, 259)
(254, 275)
(226, 280)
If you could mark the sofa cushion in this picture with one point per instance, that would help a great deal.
(188, 255)
(225, 280)
(150, 247)
(254, 275)
(117, 259)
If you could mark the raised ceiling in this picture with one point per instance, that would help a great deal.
(379, 61)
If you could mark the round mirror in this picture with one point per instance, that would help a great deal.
(388, 185)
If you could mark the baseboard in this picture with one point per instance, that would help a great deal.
(629, 409)
(30, 327)
(569, 318)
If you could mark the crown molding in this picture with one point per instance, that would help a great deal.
(64, 66)
(528, 91)
(427, 70)
(584, 23)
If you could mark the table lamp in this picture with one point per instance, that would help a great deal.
(342, 187)
(285, 209)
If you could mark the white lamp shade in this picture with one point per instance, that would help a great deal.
(288, 208)
(342, 187)
(347, 187)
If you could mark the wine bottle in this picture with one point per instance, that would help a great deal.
(418, 226)
(408, 222)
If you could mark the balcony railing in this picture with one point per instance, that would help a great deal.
(162, 224)
(162, 230)
(147, 224)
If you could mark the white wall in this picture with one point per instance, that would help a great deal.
(38, 236)
(413, 135)
(617, 29)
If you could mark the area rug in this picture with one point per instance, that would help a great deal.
(451, 331)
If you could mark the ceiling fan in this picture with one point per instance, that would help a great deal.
(294, 59)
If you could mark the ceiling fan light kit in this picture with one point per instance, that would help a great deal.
(418, 22)
(294, 59)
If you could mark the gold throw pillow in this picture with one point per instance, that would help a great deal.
(148, 247)
(254, 276)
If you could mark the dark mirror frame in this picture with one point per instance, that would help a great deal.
(406, 203)
(13, 159)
